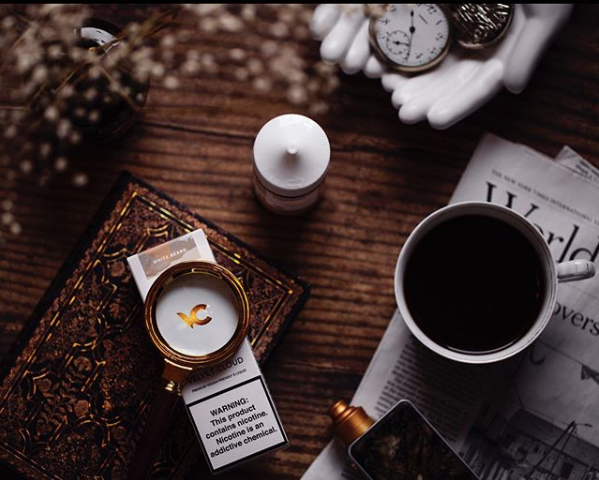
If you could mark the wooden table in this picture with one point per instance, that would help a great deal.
(195, 144)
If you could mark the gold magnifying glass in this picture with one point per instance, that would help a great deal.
(197, 315)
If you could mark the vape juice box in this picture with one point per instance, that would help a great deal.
(229, 403)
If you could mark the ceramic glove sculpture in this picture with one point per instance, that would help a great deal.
(463, 82)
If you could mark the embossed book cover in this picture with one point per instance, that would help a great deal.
(76, 387)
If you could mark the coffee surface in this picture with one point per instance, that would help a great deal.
(474, 284)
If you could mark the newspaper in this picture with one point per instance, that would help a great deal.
(535, 416)
(575, 163)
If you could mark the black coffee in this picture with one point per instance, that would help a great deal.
(474, 284)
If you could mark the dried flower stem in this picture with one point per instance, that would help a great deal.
(119, 89)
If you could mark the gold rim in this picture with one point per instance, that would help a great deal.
(378, 52)
(197, 268)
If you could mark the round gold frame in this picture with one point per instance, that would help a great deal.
(379, 54)
(189, 362)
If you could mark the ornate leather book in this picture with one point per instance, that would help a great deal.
(76, 386)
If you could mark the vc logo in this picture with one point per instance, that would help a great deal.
(193, 318)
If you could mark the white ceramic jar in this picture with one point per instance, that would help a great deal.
(291, 160)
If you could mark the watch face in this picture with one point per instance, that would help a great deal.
(411, 37)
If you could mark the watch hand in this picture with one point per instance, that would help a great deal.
(412, 30)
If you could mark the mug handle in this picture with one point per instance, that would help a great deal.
(575, 270)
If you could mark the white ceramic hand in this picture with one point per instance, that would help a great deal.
(463, 82)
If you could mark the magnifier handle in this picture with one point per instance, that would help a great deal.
(154, 432)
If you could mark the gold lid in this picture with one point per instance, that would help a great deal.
(349, 423)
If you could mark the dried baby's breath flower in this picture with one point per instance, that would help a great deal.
(94, 116)
(194, 55)
(65, 87)
(52, 114)
(15, 228)
(90, 94)
(279, 29)
(319, 108)
(312, 86)
(269, 48)
(190, 67)
(63, 129)
(255, 66)
(207, 59)
(241, 74)
(7, 218)
(209, 25)
(262, 84)
(61, 164)
(80, 179)
(45, 149)
(168, 41)
(267, 64)
(237, 54)
(297, 95)
(287, 16)
(230, 23)
(248, 12)
(75, 138)
(157, 70)
(10, 132)
(208, 64)
(302, 32)
(183, 36)
(26, 166)
(171, 82)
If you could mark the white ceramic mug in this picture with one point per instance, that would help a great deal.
(562, 272)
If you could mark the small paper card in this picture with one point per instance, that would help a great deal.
(149, 264)
(229, 404)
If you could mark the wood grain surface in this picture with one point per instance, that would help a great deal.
(195, 144)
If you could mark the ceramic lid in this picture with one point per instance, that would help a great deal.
(291, 155)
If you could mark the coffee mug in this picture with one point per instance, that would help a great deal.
(549, 275)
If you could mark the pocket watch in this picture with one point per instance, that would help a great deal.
(480, 25)
(414, 37)
(411, 37)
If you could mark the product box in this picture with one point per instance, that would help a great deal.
(229, 404)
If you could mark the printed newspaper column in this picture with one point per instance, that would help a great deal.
(229, 404)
